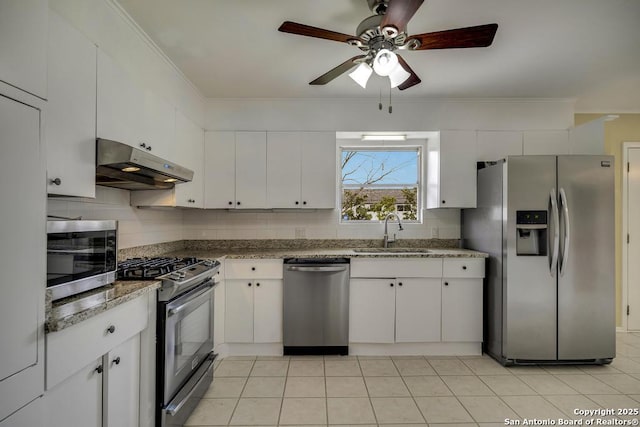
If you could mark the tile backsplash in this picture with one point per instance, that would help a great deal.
(147, 226)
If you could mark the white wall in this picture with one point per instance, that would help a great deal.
(136, 227)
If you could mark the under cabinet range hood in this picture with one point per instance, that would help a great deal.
(122, 166)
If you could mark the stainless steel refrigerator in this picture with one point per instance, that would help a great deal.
(547, 223)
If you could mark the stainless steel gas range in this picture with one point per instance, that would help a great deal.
(184, 336)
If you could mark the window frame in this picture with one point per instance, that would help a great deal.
(418, 146)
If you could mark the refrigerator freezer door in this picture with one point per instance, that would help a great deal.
(586, 288)
(529, 329)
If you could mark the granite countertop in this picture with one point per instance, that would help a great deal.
(105, 298)
(330, 252)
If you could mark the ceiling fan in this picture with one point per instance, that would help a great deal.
(380, 35)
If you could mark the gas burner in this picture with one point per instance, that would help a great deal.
(151, 268)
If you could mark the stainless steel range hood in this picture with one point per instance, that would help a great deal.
(122, 166)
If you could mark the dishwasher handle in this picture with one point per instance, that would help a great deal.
(316, 269)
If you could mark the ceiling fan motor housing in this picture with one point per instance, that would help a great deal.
(378, 6)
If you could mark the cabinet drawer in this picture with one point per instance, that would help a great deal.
(396, 267)
(72, 348)
(253, 269)
(463, 267)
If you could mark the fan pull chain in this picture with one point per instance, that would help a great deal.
(380, 101)
(390, 107)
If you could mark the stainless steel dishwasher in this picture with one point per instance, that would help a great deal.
(316, 306)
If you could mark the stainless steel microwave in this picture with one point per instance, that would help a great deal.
(81, 255)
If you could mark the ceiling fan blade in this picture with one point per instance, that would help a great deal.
(319, 33)
(399, 13)
(479, 36)
(337, 71)
(412, 80)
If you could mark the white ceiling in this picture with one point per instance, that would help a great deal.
(583, 49)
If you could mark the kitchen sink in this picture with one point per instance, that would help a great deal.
(392, 250)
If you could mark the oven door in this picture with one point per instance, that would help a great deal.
(188, 336)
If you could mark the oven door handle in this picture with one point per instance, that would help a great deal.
(195, 300)
(172, 409)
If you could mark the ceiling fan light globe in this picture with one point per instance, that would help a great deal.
(398, 76)
(361, 74)
(385, 62)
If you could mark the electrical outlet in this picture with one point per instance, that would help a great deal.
(435, 233)
(301, 233)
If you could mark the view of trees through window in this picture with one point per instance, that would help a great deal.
(377, 182)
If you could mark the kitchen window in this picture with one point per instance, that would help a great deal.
(376, 181)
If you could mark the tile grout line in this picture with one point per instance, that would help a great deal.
(413, 398)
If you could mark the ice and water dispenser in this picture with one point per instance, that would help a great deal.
(531, 233)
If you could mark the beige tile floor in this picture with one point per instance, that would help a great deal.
(412, 391)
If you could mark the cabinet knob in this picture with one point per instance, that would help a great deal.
(248, 284)
(253, 269)
(400, 284)
(99, 369)
(143, 145)
(56, 181)
(464, 267)
(444, 201)
(304, 203)
(391, 284)
(117, 360)
(257, 284)
(111, 329)
(148, 148)
(238, 203)
(297, 202)
(230, 202)
(446, 283)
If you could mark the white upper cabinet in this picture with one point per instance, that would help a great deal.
(251, 170)
(546, 142)
(301, 169)
(451, 170)
(188, 151)
(23, 45)
(219, 170)
(588, 138)
(318, 170)
(71, 111)
(128, 114)
(496, 145)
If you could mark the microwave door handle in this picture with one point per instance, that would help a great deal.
(567, 231)
(553, 263)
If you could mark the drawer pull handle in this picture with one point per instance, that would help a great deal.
(391, 284)
(446, 283)
(253, 269)
(117, 360)
(249, 284)
(464, 267)
(400, 284)
(99, 369)
(111, 329)
(257, 284)
(56, 181)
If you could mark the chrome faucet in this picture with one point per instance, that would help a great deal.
(386, 234)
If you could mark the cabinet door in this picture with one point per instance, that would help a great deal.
(120, 115)
(158, 125)
(546, 142)
(318, 170)
(372, 306)
(188, 150)
(71, 111)
(283, 169)
(122, 385)
(461, 310)
(238, 319)
(31, 415)
(418, 310)
(219, 170)
(23, 45)
(457, 169)
(496, 145)
(22, 255)
(77, 401)
(267, 311)
(251, 170)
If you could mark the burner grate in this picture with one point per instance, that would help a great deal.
(150, 268)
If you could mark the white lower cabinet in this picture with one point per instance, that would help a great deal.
(31, 415)
(461, 310)
(253, 301)
(394, 310)
(105, 391)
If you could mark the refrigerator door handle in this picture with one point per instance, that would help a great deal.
(553, 264)
(567, 231)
